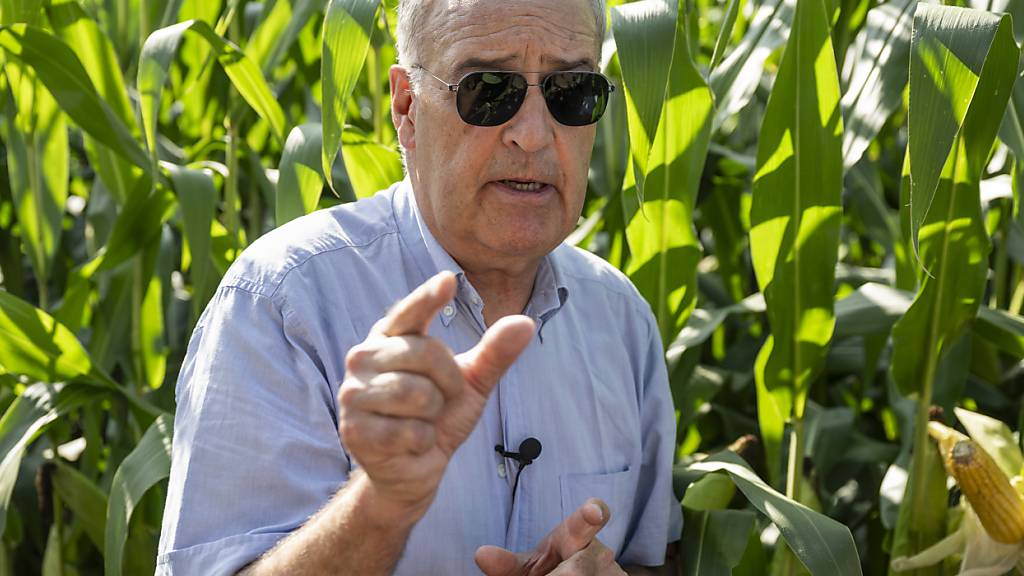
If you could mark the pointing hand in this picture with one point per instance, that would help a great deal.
(407, 402)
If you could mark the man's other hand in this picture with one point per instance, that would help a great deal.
(571, 549)
(408, 402)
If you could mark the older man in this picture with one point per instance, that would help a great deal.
(324, 429)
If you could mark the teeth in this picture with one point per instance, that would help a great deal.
(523, 186)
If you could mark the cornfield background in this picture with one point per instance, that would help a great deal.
(819, 198)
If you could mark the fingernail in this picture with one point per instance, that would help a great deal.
(595, 508)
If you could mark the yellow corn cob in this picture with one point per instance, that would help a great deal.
(985, 486)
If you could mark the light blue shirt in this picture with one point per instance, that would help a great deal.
(256, 444)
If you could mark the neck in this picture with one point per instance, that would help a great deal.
(503, 291)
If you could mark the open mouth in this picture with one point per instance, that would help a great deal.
(523, 186)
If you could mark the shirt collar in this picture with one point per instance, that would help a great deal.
(549, 290)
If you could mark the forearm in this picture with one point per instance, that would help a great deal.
(357, 532)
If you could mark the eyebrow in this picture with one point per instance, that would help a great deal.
(471, 64)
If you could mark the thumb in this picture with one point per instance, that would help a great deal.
(485, 363)
(576, 531)
(495, 561)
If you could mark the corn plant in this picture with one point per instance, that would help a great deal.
(819, 200)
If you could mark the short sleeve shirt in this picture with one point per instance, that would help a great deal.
(256, 447)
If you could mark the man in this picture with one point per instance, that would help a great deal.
(324, 429)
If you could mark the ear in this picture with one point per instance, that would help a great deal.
(403, 106)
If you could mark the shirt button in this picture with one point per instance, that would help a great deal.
(476, 301)
(501, 469)
(448, 310)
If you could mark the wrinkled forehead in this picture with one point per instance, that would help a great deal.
(508, 32)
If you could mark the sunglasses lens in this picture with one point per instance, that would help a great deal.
(490, 98)
(576, 98)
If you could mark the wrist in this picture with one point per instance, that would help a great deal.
(382, 507)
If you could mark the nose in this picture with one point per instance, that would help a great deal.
(532, 128)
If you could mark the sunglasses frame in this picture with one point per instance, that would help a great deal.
(455, 88)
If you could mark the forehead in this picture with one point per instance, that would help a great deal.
(512, 34)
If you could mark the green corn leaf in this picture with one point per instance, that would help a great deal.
(714, 540)
(98, 58)
(84, 498)
(300, 179)
(709, 492)
(137, 225)
(37, 161)
(32, 343)
(14, 11)
(152, 352)
(154, 64)
(724, 33)
(642, 31)
(950, 50)
(197, 199)
(962, 68)
(348, 26)
(703, 323)
(1011, 131)
(1001, 329)
(662, 239)
(26, 418)
(874, 76)
(279, 31)
(823, 545)
(795, 218)
(953, 243)
(371, 166)
(737, 77)
(148, 463)
(870, 310)
(60, 70)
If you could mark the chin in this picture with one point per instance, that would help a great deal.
(523, 244)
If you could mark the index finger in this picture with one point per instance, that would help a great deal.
(580, 527)
(412, 314)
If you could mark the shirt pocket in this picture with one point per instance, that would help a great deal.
(617, 489)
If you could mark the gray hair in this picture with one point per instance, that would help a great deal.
(412, 16)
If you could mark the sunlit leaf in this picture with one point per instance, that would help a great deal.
(794, 218)
(278, 32)
(662, 238)
(34, 344)
(737, 77)
(371, 166)
(160, 49)
(60, 70)
(875, 75)
(74, 26)
(348, 25)
(37, 162)
(953, 50)
(300, 179)
(642, 31)
(962, 68)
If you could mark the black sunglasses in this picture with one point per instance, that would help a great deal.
(492, 98)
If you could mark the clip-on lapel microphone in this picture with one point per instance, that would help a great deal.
(529, 450)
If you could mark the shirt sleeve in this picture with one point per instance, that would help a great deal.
(658, 516)
(256, 449)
